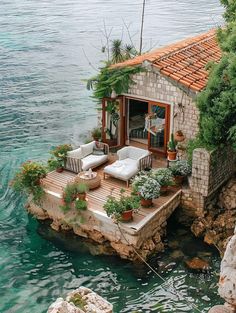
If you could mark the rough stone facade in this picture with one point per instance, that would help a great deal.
(210, 171)
(154, 86)
(115, 238)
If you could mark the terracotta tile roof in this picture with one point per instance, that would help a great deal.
(183, 61)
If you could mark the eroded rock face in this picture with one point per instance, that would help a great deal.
(219, 221)
(81, 300)
(227, 283)
(220, 309)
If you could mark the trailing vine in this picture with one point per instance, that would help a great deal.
(109, 79)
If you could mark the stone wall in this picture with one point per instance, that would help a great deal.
(154, 86)
(119, 239)
(210, 170)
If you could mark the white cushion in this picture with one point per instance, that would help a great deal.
(137, 153)
(77, 153)
(87, 148)
(123, 169)
(92, 161)
(132, 153)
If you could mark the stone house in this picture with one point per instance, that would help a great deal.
(167, 89)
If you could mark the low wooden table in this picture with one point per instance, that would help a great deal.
(92, 183)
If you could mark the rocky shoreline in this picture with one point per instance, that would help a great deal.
(218, 223)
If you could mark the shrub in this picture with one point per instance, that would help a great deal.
(27, 180)
(70, 194)
(163, 176)
(115, 207)
(81, 205)
(181, 168)
(139, 180)
(150, 189)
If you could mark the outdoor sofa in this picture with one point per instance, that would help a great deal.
(130, 161)
(90, 155)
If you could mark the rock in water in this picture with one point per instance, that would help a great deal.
(227, 283)
(220, 309)
(198, 264)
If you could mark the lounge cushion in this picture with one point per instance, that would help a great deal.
(92, 161)
(87, 149)
(77, 153)
(123, 169)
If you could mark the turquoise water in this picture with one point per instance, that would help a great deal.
(45, 50)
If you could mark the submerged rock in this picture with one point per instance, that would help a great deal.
(177, 254)
(197, 264)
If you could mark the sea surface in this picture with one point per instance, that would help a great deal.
(47, 49)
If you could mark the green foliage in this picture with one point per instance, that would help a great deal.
(217, 103)
(117, 79)
(27, 180)
(181, 168)
(194, 144)
(96, 132)
(172, 144)
(115, 207)
(78, 301)
(81, 205)
(54, 164)
(59, 156)
(70, 194)
(163, 176)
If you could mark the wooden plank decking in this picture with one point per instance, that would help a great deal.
(55, 182)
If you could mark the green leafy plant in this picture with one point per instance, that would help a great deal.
(139, 180)
(118, 79)
(150, 189)
(59, 156)
(181, 168)
(27, 180)
(115, 207)
(163, 176)
(217, 102)
(78, 301)
(172, 144)
(96, 133)
(81, 205)
(70, 194)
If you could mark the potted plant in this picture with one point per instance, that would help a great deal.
(180, 169)
(164, 177)
(96, 133)
(179, 136)
(71, 192)
(81, 191)
(81, 205)
(171, 152)
(121, 209)
(59, 153)
(138, 181)
(148, 191)
(54, 164)
(28, 180)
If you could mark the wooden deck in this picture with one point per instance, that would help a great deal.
(55, 182)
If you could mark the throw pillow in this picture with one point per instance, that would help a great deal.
(87, 149)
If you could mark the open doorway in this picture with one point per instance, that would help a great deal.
(136, 113)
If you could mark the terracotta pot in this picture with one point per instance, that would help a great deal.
(163, 189)
(127, 216)
(179, 138)
(172, 155)
(178, 180)
(146, 202)
(59, 169)
(82, 196)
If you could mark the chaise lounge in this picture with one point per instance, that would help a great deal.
(87, 156)
(131, 161)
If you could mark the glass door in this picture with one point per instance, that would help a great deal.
(158, 125)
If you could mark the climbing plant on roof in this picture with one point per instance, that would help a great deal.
(118, 79)
(217, 103)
